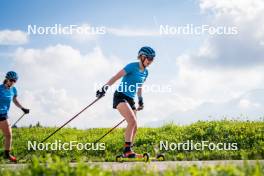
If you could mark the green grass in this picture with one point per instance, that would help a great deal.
(248, 135)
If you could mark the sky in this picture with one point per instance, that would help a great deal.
(201, 76)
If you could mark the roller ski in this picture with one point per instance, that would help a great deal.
(145, 157)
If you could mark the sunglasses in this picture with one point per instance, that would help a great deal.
(12, 80)
(150, 58)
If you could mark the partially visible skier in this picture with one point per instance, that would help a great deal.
(134, 75)
(8, 93)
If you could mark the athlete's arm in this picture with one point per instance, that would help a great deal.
(101, 92)
(140, 99)
(139, 93)
(119, 75)
(16, 102)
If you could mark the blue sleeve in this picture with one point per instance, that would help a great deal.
(15, 91)
(129, 68)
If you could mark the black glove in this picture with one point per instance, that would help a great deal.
(101, 92)
(26, 111)
(140, 103)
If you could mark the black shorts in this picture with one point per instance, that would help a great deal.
(3, 117)
(120, 97)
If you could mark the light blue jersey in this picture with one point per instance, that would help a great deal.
(133, 79)
(6, 96)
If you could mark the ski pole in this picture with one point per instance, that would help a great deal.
(109, 131)
(96, 141)
(65, 124)
(14, 125)
(69, 120)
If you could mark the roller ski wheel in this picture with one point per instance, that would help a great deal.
(119, 158)
(160, 157)
(146, 157)
(135, 157)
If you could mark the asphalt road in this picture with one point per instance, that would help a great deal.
(159, 166)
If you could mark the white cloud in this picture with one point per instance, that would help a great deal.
(242, 50)
(16, 37)
(87, 33)
(96, 32)
(244, 103)
(58, 81)
(240, 9)
(128, 32)
(244, 107)
(216, 83)
(219, 78)
(221, 68)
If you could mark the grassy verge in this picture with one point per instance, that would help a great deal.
(248, 135)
